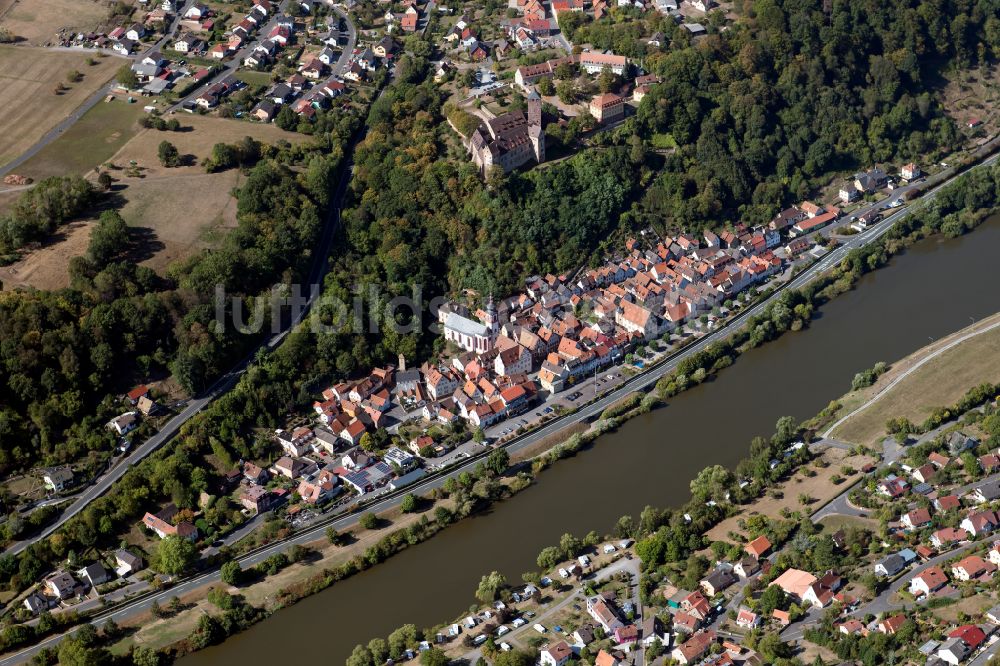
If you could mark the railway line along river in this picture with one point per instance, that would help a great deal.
(931, 290)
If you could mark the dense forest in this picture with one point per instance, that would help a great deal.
(764, 111)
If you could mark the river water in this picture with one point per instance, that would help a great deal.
(928, 292)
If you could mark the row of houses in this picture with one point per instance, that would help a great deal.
(62, 585)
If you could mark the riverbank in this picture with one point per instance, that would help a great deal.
(937, 375)
(682, 460)
(584, 440)
(650, 459)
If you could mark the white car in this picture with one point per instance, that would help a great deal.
(502, 629)
(563, 572)
(519, 622)
(540, 628)
(505, 647)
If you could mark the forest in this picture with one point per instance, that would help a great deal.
(67, 354)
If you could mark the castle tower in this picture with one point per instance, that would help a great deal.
(535, 132)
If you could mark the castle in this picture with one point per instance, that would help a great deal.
(510, 140)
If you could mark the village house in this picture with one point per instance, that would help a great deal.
(162, 523)
(916, 519)
(555, 654)
(981, 522)
(718, 580)
(928, 581)
(758, 548)
(973, 567)
(94, 574)
(124, 424)
(257, 499)
(603, 614)
(127, 563)
(56, 479)
(694, 648)
(62, 585)
(946, 536)
(890, 625)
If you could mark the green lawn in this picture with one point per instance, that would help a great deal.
(89, 142)
(254, 78)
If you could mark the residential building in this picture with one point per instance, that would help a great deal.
(694, 648)
(56, 479)
(928, 581)
(94, 574)
(555, 654)
(607, 108)
(127, 563)
(162, 523)
(62, 585)
(603, 614)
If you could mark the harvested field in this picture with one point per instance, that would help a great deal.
(48, 266)
(175, 211)
(39, 22)
(196, 138)
(182, 209)
(32, 74)
(178, 215)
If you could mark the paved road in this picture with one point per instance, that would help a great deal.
(916, 366)
(91, 101)
(221, 386)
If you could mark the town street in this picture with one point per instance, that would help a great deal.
(637, 383)
(221, 386)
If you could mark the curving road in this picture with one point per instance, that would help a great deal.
(227, 381)
(916, 366)
(343, 522)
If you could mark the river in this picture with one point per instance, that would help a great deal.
(928, 292)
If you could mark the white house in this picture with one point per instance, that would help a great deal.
(555, 654)
(125, 423)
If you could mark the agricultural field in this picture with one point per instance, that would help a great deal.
(28, 73)
(40, 22)
(176, 211)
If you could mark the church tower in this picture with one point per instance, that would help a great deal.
(492, 318)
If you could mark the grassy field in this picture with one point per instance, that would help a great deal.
(88, 143)
(32, 74)
(183, 208)
(178, 210)
(819, 487)
(939, 382)
(48, 266)
(39, 22)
